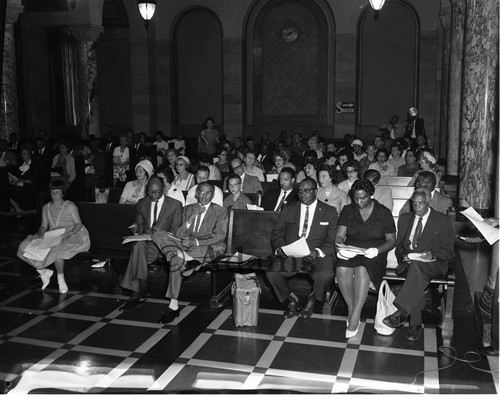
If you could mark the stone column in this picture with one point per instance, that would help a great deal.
(455, 85)
(479, 129)
(88, 102)
(445, 18)
(9, 116)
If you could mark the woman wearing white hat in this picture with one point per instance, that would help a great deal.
(184, 180)
(135, 190)
(427, 162)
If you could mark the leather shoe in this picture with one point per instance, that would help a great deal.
(489, 351)
(191, 267)
(396, 319)
(413, 333)
(169, 316)
(308, 310)
(293, 309)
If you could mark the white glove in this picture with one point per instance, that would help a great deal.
(371, 253)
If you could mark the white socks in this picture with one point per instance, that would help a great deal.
(45, 275)
(174, 304)
(63, 288)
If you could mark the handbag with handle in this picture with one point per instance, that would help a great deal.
(385, 307)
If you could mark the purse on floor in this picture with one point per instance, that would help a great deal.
(246, 291)
(385, 307)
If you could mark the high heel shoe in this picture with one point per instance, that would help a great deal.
(351, 334)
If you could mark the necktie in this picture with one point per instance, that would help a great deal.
(155, 213)
(280, 205)
(197, 223)
(418, 232)
(306, 221)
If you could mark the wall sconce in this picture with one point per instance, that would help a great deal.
(377, 4)
(147, 9)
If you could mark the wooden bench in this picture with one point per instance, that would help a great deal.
(249, 233)
(394, 181)
(400, 192)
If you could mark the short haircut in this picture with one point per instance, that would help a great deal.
(372, 175)
(353, 164)
(427, 175)
(422, 191)
(58, 185)
(234, 176)
(203, 168)
(311, 161)
(314, 182)
(330, 170)
(363, 185)
(249, 151)
(398, 146)
(167, 172)
(281, 154)
(384, 150)
(154, 178)
(288, 170)
(310, 154)
(205, 183)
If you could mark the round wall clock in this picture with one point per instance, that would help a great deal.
(290, 33)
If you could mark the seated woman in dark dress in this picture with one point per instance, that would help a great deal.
(22, 184)
(369, 225)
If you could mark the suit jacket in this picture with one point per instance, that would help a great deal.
(439, 202)
(437, 236)
(270, 198)
(267, 163)
(419, 128)
(141, 151)
(321, 235)
(169, 217)
(212, 231)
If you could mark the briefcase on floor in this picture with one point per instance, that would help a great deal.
(246, 294)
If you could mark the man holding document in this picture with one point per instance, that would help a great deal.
(303, 240)
(155, 212)
(424, 247)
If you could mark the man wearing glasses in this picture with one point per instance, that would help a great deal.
(250, 184)
(198, 240)
(154, 212)
(317, 223)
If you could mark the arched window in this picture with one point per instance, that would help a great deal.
(198, 67)
(388, 46)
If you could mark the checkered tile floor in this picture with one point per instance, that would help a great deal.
(86, 344)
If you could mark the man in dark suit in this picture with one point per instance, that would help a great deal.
(276, 198)
(110, 143)
(439, 202)
(424, 247)
(317, 223)
(156, 212)
(137, 151)
(250, 185)
(414, 124)
(198, 240)
(265, 158)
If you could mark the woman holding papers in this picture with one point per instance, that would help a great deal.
(369, 226)
(61, 232)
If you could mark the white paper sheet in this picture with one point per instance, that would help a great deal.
(488, 231)
(51, 238)
(252, 207)
(238, 257)
(418, 256)
(39, 248)
(139, 237)
(297, 249)
(270, 177)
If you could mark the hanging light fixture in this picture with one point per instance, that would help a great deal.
(377, 4)
(147, 9)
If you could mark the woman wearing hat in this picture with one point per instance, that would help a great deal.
(427, 162)
(184, 180)
(135, 190)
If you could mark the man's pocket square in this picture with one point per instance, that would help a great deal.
(324, 223)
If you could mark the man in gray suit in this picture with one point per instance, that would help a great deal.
(439, 202)
(250, 184)
(198, 240)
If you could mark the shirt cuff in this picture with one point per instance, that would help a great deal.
(321, 253)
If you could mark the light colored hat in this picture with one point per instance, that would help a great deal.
(358, 142)
(147, 166)
(185, 159)
(429, 157)
(413, 111)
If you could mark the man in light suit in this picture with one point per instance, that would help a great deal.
(198, 240)
(428, 234)
(250, 185)
(276, 198)
(167, 219)
(317, 223)
(439, 202)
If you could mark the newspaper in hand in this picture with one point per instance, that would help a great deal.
(138, 237)
(488, 231)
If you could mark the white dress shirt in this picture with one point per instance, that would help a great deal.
(414, 227)
(160, 204)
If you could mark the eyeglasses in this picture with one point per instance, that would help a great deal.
(306, 190)
(156, 192)
(351, 171)
(237, 167)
